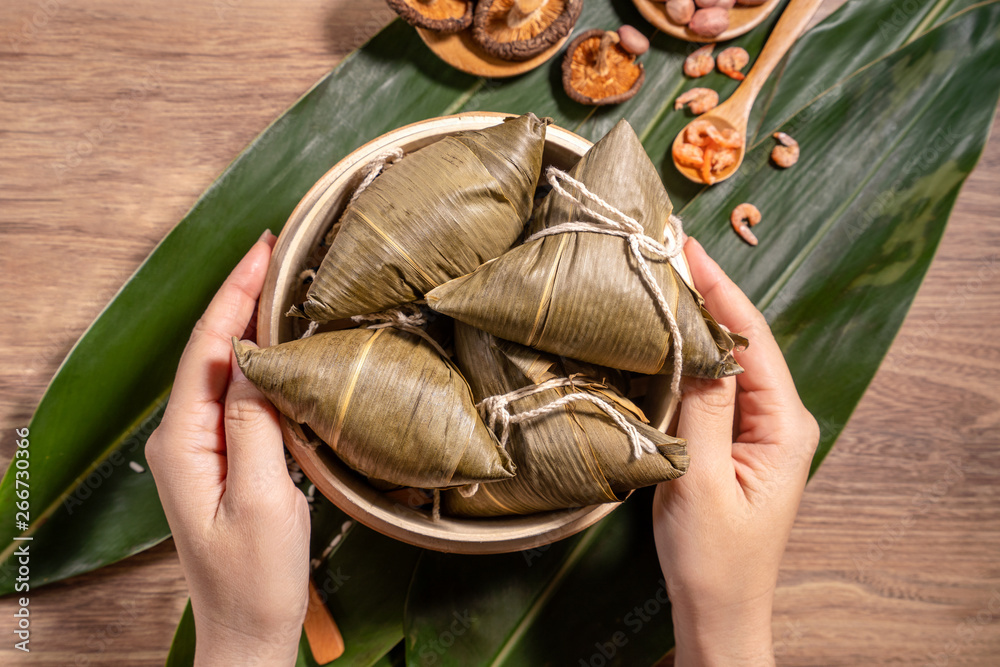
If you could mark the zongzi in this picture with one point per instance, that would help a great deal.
(572, 456)
(434, 215)
(593, 282)
(385, 401)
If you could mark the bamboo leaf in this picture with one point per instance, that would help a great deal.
(902, 135)
(366, 581)
(601, 593)
(461, 608)
(814, 65)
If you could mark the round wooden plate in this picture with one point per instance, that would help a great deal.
(461, 52)
(294, 251)
(741, 20)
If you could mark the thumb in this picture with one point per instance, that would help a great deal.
(254, 449)
(706, 421)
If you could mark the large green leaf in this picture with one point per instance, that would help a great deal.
(597, 595)
(110, 391)
(854, 228)
(366, 580)
(822, 291)
(814, 65)
(457, 604)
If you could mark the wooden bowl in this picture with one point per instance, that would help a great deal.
(461, 52)
(741, 20)
(296, 250)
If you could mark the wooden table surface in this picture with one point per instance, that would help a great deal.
(116, 114)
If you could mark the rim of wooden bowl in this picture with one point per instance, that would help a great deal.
(460, 51)
(306, 226)
(742, 19)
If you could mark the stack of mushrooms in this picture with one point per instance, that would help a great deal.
(481, 322)
(513, 30)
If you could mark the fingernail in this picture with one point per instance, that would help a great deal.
(235, 372)
(267, 237)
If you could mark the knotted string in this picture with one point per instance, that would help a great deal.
(374, 168)
(436, 505)
(408, 317)
(628, 228)
(310, 330)
(344, 527)
(496, 409)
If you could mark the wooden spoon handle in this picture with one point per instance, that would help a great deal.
(793, 21)
(324, 636)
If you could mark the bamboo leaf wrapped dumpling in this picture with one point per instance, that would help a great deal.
(435, 215)
(385, 401)
(572, 457)
(583, 293)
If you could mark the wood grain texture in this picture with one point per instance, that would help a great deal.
(117, 114)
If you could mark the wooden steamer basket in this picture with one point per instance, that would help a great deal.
(296, 251)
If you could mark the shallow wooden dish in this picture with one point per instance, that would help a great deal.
(741, 20)
(295, 251)
(461, 52)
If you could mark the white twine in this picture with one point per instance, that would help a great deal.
(374, 168)
(372, 171)
(407, 317)
(629, 229)
(344, 527)
(310, 330)
(468, 490)
(497, 409)
(308, 274)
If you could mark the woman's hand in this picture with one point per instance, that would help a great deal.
(721, 529)
(240, 525)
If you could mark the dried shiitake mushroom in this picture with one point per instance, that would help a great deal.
(521, 29)
(598, 71)
(443, 16)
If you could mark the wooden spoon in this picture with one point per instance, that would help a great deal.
(325, 640)
(734, 113)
